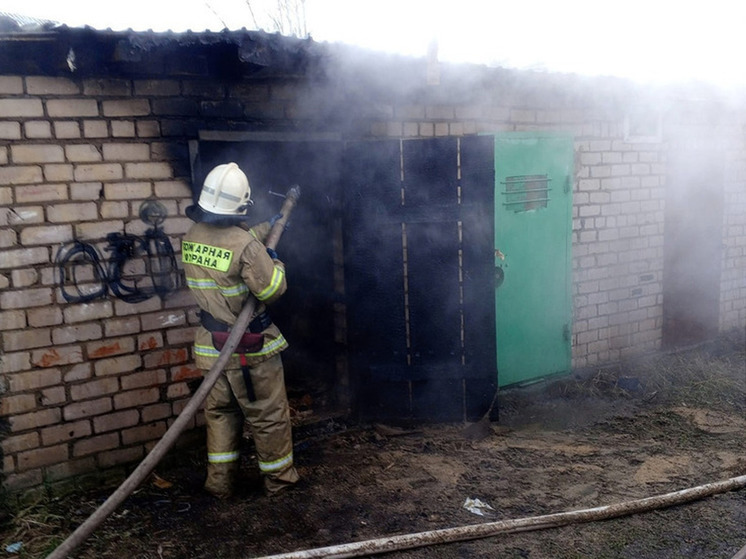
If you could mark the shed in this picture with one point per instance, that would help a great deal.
(461, 228)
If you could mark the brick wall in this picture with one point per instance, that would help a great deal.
(617, 249)
(733, 280)
(92, 386)
(88, 386)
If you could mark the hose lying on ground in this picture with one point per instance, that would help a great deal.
(170, 437)
(741, 554)
(476, 531)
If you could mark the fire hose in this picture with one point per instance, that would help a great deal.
(170, 436)
(476, 531)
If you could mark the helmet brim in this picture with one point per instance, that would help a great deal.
(199, 215)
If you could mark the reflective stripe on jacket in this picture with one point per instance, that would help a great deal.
(223, 266)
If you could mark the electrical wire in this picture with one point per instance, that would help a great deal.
(160, 275)
(162, 266)
(124, 247)
(69, 258)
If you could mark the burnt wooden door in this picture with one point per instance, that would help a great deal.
(419, 277)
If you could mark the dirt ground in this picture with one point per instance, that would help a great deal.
(601, 437)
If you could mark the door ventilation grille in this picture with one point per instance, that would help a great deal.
(523, 193)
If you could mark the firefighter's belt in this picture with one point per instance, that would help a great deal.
(258, 324)
(251, 342)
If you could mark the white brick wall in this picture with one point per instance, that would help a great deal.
(77, 165)
(733, 278)
(617, 249)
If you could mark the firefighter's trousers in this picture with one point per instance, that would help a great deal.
(265, 406)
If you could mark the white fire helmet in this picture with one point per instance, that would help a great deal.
(226, 191)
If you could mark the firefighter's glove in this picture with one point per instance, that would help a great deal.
(272, 253)
(273, 219)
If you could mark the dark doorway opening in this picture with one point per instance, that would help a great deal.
(307, 313)
(390, 306)
(693, 247)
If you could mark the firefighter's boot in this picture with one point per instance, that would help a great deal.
(221, 479)
(275, 483)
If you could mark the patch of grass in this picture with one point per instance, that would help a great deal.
(37, 528)
(713, 374)
(695, 379)
(602, 384)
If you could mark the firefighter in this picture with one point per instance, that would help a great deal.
(225, 261)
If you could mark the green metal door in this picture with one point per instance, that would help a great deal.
(533, 227)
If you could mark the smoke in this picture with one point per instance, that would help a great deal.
(649, 42)
(651, 209)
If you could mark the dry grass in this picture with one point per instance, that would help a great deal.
(698, 380)
(714, 374)
(35, 527)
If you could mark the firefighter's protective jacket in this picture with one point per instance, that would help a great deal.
(223, 266)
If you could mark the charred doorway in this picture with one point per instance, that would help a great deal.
(692, 247)
(419, 277)
(390, 309)
(306, 313)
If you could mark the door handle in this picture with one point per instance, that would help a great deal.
(499, 272)
(499, 276)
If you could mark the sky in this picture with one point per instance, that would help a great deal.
(644, 40)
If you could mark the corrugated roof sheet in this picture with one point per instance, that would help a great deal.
(24, 24)
(142, 53)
